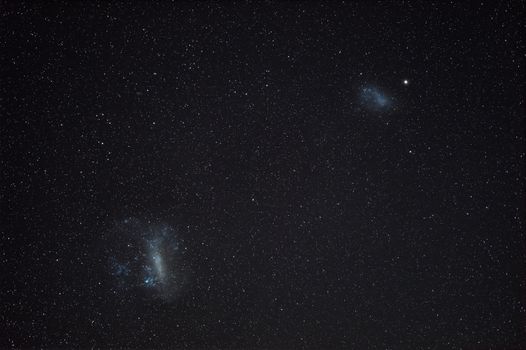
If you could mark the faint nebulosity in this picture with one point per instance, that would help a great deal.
(262, 175)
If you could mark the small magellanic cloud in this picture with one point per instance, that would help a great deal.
(374, 99)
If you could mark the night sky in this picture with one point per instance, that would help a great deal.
(262, 175)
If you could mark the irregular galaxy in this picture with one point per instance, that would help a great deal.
(374, 99)
(145, 256)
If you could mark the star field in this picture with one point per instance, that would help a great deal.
(262, 175)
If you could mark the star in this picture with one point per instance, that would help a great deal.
(406, 82)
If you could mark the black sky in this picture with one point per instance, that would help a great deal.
(312, 199)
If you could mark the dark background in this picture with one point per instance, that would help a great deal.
(309, 222)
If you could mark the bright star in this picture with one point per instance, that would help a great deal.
(406, 82)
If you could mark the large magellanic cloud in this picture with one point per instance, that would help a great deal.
(146, 258)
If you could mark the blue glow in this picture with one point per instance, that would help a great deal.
(149, 281)
(374, 99)
(119, 269)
